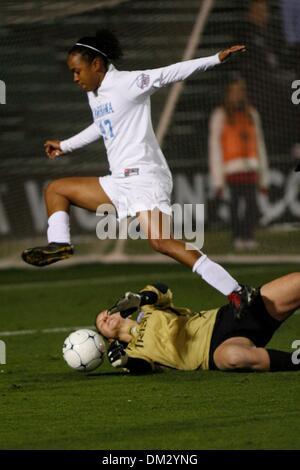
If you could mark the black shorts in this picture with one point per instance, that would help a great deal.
(257, 325)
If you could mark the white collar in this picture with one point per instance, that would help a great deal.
(111, 68)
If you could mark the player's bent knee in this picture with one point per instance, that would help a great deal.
(54, 187)
(230, 358)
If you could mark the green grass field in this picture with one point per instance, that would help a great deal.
(46, 405)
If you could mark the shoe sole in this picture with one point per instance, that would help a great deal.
(41, 257)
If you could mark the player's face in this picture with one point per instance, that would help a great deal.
(88, 75)
(109, 325)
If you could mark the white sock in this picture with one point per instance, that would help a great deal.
(59, 227)
(215, 275)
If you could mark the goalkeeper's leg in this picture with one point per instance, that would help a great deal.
(238, 354)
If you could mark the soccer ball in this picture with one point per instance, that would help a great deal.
(84, 350)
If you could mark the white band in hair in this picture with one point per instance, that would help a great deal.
(91, 47)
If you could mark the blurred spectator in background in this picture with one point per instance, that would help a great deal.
(258, 39)
(291, 26)
(269, 83)
(290, 10)
(238, 159)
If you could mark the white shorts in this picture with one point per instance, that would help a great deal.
(136, 193)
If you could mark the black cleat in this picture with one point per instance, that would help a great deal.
(241, 300)
(44, 255)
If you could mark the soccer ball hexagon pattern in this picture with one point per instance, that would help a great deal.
(84, 350)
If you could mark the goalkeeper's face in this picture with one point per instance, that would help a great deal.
(109, 325)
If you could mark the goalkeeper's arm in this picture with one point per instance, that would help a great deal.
(151, 298)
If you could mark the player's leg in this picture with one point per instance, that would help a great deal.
(241, 354)
(155, 225)
(282, 296)
(158, 228)
(84, 192)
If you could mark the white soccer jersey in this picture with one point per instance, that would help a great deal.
(122, 115)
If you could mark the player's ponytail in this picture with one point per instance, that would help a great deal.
(104, 44)
(109, 44)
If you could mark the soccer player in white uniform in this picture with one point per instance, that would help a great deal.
(140, 181)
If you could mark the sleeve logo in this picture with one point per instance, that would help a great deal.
(143, 81)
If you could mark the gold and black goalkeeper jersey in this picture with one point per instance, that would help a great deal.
(171, 336)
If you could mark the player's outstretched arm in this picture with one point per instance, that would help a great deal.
(144, 83)
(227, 53)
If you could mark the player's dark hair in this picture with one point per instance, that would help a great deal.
(104, 44)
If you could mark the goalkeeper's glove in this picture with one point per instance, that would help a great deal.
(117, 355)
(131, 301)
(126, 305)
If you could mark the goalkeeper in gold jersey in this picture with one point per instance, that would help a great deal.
(165, 335)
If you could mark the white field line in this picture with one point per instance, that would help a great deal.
(122, 258)
(44, 331)
(93, 281)
(74, 282)
(61, 329)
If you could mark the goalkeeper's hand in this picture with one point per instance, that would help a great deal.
(126, 305)
(116, 355)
